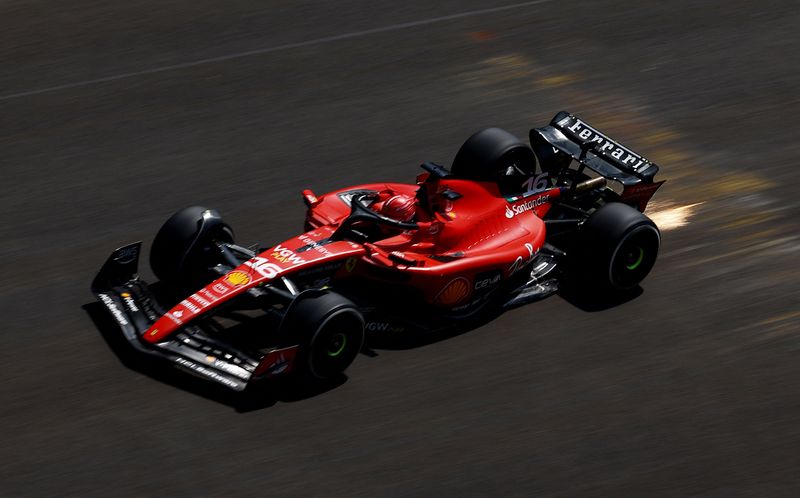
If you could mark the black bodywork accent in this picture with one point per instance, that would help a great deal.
(446, 258)
(436, 170)
(593, 149)
(315, 244)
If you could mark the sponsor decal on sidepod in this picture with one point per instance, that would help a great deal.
(522, 207)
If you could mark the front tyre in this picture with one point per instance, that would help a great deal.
(618, 246)
(185, 246)
(329, 329)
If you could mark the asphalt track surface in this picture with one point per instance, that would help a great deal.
(115, 114)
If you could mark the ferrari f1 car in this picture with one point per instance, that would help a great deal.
(506, 224)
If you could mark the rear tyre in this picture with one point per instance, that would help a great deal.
(494, 154)
(329, 329)
(618, 246)
(184, 247)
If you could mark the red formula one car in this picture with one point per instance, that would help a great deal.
(497, 230)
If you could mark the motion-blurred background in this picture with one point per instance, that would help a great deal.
(115, 114)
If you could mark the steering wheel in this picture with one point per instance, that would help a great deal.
(360, 212)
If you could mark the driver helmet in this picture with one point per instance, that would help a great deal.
(399, 207)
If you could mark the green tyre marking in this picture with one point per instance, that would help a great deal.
(336, 352)
(638, 261)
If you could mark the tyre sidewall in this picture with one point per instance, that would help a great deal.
(174, 254)
(603, 240)
(308, 322)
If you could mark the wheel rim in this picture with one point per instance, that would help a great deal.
(338, 342)
(636, 256)
(336, 345)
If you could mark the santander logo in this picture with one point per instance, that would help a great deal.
(520, 208)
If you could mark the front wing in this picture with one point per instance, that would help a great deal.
(134, 308)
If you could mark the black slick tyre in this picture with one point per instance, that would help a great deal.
(618, 247)
(183, 247)
(488, 154)
(329, 329)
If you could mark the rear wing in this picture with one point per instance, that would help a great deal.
(595, 150)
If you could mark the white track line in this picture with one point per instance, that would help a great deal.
(267, 50)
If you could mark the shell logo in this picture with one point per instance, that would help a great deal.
(454, 292)
(237, 278)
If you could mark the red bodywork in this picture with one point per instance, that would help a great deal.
(462, 245)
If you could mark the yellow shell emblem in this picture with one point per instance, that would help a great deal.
(237, 278)
(454, 292)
